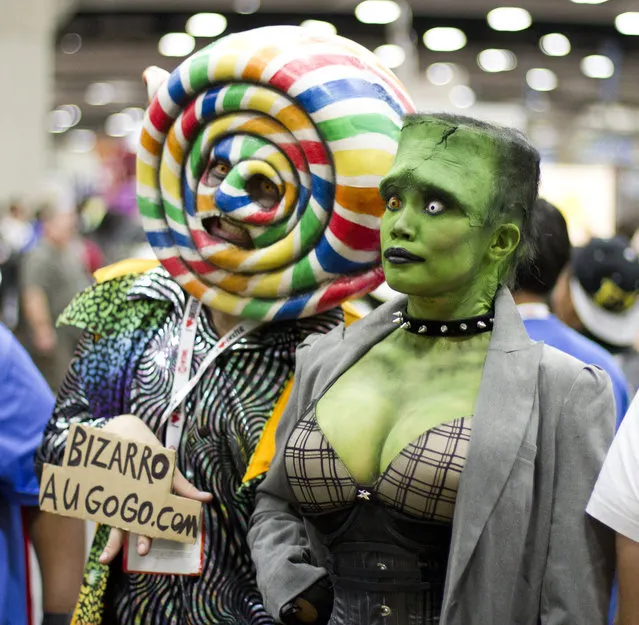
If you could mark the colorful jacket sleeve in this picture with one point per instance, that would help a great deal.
(98, 381)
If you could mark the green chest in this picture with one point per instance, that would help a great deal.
(394, 394)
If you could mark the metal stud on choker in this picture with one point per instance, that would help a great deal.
(432, 327)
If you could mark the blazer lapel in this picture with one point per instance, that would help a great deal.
(500, 421)
(358, 339)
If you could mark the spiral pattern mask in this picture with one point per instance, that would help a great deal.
(258, 168)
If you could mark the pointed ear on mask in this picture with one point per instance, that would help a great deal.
(153, 78)
(504, 242)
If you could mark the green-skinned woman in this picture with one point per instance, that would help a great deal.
(434, 464)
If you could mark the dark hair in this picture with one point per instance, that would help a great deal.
(516, 182)
(551, 253)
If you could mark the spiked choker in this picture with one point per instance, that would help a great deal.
(456, 327)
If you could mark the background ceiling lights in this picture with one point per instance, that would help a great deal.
(206, 25)
(541, 79)
(100, 93)
(555, 44)
(391, 55)
(118, 125)
(628, 23)
(63, 118)
(495, 60)
(135, 114)
(440, 73)
(597, 66)
(81, 140)
(462, 97)
(176, 44)
(70, 43)
(509, 19)
(246, 7)
(320, 28)
(377, 11)
(589, 1)
(444, 39)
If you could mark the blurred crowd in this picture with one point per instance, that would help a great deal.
(47, 255)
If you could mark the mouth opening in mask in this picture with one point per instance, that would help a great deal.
(223, 228)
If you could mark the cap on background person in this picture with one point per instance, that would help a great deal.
(604, 287)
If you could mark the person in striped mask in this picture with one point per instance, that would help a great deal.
(257, 176)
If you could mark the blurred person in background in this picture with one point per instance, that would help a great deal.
(9, 285)
(92, 255)
(534, 283)
(598, 295)
(25, 409)
(16, 229)
(51, 274)
(615, 502)
(17, 233)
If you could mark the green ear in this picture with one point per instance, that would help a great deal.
(504, 242)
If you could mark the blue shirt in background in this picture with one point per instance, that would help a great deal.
(556, 333)
(542, 326)
(25, 407)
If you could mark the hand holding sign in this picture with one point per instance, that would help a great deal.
(122, 476)
(131, 427)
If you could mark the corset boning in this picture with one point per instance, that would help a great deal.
(386, 568)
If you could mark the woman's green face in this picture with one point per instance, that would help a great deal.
(437, 198)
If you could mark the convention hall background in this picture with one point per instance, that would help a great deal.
(565, 72)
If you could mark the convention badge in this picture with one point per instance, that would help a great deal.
(165, 557)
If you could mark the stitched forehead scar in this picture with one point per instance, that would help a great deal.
(443, 142)
(447, 133)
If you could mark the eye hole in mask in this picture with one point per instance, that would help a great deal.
(217, 171)
(262, 191)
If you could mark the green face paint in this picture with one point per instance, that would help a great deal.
(434, 245)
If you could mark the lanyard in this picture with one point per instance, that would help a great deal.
(182, 385)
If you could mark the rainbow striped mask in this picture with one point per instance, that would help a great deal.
(258, 168)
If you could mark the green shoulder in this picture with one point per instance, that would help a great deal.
(105, 308)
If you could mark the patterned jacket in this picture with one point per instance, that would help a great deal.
(125, 363)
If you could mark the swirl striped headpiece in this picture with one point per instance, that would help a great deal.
(312, 124)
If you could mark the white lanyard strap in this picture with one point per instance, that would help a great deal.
(182, 385)
(188, 331)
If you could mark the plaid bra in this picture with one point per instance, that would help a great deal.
(421, 481)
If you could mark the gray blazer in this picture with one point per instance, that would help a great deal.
(523, 550)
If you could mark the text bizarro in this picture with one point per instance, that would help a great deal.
(121, 483)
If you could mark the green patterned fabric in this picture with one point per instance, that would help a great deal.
(90, 607)
(105, 309)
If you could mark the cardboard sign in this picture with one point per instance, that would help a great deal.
(120, 483)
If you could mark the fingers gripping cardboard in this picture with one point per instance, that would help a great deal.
(120, 483)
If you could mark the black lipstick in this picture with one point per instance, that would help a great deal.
(400, 256)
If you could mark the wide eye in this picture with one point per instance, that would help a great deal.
(263, 191)
(268, 187)
(434, 207)
(393, 203)
(218, 170)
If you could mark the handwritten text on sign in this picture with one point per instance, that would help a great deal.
(120, 483)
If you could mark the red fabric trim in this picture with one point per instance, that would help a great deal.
(27, 567)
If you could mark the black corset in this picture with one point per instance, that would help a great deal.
(374, 549)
